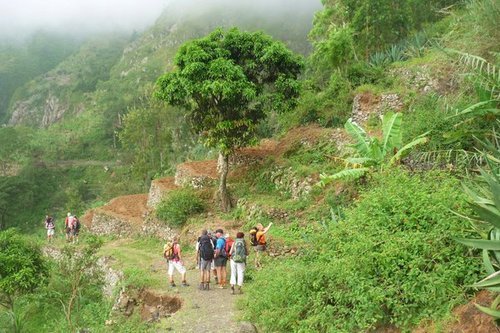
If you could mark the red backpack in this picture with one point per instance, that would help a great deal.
(229, 244)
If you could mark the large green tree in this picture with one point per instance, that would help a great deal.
(228, 81)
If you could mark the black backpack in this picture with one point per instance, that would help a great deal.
(206, 248)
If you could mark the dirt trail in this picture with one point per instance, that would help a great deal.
(203, 311)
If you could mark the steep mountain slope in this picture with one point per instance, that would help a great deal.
(64, 89)
(22, 61)
(93, 79)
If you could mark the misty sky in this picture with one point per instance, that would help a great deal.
(19, 17)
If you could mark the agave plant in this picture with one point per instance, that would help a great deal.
(379, 59)
(484, 198)
(373, 153)
(396, 53)
(415, 46)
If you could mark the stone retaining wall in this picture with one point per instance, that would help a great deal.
(107, 224)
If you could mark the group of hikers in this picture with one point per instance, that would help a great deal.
(213, 252)
(71, 227)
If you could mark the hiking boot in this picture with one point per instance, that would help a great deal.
(173, 285)
(232, 290)
(201, 286)
(240, 290)
(185, 284)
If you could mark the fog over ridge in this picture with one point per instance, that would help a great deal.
(22, 17)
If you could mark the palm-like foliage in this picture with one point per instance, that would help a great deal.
(485, 201)
(372, 152)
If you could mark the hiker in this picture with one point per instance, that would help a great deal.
(75, 229)
(50, 226)
(259, 243)
(220, 260)
(68, 226)
(172, 252)
(205, 256)
(214, 241)
(239, 253)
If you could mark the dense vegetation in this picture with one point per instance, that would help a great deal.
(376, 249)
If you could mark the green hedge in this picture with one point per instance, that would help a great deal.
(178, 205)
(391, 260)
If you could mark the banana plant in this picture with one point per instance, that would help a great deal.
(373, 152)
(484, 199)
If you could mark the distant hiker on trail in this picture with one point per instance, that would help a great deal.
(172, 253)
(68, 225)
(258, 240)
(220, 258)
(50, 226)
(239, 253)
(75, 229)
(205, 257)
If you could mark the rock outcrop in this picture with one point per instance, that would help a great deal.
(366, 105)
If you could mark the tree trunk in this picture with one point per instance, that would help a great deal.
(223, 168)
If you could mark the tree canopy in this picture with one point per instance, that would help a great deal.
(228, 81)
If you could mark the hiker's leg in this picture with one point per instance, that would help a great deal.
(224, 272)
(241, 273)
(171, 272)
(232, 280)
(218, 273)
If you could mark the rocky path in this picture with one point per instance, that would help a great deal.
(203, 311)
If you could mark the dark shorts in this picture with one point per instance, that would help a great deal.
(205, 265)
(259, 248)
(220, 262)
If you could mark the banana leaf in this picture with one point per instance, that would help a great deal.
(344, 174)
(406, 149)
(391, 129)
(362, 141)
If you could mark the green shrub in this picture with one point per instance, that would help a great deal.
(179, 205)
(392, 259)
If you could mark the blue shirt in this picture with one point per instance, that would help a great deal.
(221, 243)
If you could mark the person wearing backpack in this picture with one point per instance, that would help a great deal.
(259, 243)
(239, 253)
(68, 225)
(172, 253)
(220, 260)
(205, 256)
(50, 226)
(75, 230)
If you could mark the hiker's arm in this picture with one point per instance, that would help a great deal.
(231, 249)
(267, 228)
